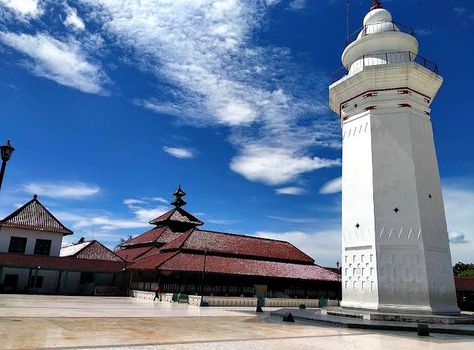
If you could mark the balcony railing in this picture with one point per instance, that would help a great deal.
(379, 28)
(385, 58)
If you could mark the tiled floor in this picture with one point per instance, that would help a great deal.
(123, 323)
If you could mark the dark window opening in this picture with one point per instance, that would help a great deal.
(357, 225)
(42, 247)
(10, 282)
(396, 210)
(430, 196)
(86, 277)
(36, 281)
(17, 245)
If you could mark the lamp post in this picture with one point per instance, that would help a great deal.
(6, 151)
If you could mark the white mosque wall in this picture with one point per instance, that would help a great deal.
(7, 232)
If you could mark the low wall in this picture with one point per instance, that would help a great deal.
(195, 300)
(141, 294)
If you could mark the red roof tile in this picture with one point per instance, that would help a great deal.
(466, 283)
(131, 254)
(161, 235)
(177, 215)
(60, 263)
(238, 266)
(178, 242)
(233, 244)
(153, 250)
(90, 250)
(151, 262)
(34, 216)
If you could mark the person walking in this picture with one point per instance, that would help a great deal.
(157, 292)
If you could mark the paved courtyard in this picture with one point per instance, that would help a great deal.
(62, 322)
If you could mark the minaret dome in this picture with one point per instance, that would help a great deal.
(380, 41)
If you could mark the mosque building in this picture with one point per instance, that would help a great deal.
(183, 257)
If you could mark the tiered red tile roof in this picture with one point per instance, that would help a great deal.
(178, 215)
(132, 254)
(34, 216)
(157, 235)
(240, 245)
(176, 244)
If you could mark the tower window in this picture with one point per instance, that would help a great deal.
(396, 210)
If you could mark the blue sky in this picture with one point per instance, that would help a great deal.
(111, 104)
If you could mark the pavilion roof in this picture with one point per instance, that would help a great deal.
(180, 261)
(34, 216)
(160, 235)
(238, 245)
(179, 215)
(131, 254)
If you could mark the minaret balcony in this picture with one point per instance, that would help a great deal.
(385, 26)
(378, 59)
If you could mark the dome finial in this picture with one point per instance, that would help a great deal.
(178, 198)
(376, 4)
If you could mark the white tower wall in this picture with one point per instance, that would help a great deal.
(395, 246)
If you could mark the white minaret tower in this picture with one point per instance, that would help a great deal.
(395, 248)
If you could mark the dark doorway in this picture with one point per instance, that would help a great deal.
(10, 282)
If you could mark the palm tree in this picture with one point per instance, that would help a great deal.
(122, 241)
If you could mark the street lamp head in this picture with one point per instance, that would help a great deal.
(6, 151)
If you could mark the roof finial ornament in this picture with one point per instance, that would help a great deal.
(35, 196)
(178, 198)
(376, 4)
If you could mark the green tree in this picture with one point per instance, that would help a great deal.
(460, 267)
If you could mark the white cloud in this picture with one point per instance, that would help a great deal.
(99, 224)
(72, 19)
(457, 238)
(290, 190)
(161, 200)
(459, 203)
(203, 52)
(332, 186)
(276, 166)
(160, 107)
(23, 8)
(294, 220)
(61, 61)
(177, 152)
(133, 201)
(145, 209)
(297, 5)
(148, 214)
(145, 200)
(459, 10)
(324, 246)
(67, 190)
(424, 32)
(221, 221)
